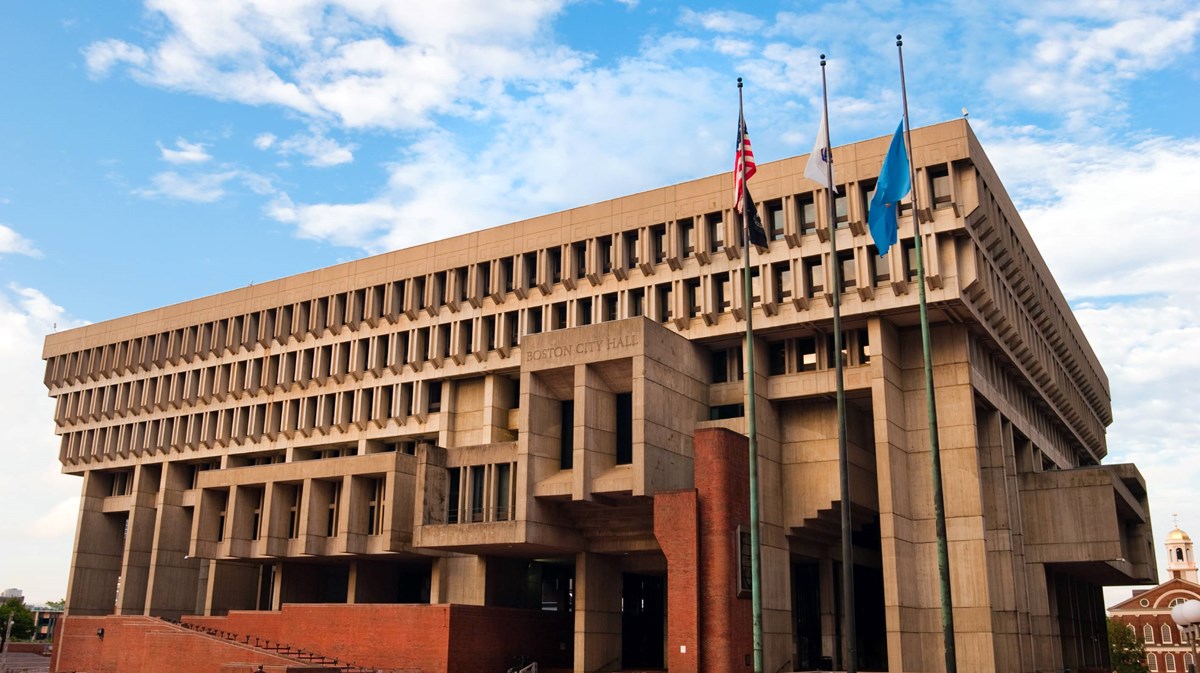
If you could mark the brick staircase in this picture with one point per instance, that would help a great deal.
(308, 659)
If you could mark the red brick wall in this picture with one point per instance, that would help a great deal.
(723, 482)
(147, 645)
(434, 638)
(676, 526)
(696, 530)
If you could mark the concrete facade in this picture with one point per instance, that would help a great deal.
(524, 417)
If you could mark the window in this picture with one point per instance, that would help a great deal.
(806, 354)
(1151, 662)
(529, 278)
(375, 506)
(939, 186)
(584, 311)
(558, 315)
(453, 494)
(808, 213)
(435, 396)
(256, 521)
(1170, 660)
(1144, 603)
(637, 302)
(663, 301)
(691, 288)
(506, 274)
(722, 290)
(556, 264)
(814, 274)
(881, 273)
(566, 440)
(716, 231)
(846, 262)
(1173, 603)
(783, 282)
(867, 190)
(624, 428)
(1148, 634)
(579, 259)
(503, 486)
(777, 357)
(775, 220)
(1187, 661)
(839, 208)
(631, 250)
(909, 248)
(294, 512)
(719, 362)
(331, 520)
(1178, 554)
(1166, 637)
(608, 307)
(477, 479)
(606, 253)
(658, 243)
(687, 239)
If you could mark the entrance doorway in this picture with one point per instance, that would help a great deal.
(643, 621)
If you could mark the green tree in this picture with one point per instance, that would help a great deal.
(1127, 651)
(22, 628)
(57, 605)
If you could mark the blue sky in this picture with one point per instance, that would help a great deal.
(153, 152)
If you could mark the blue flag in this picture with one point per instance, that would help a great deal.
(894, 184)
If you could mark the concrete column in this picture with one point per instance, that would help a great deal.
(597, 613)
(595, 430)
(139, 539)
(99, 551)
(459, 579)
(174, 576)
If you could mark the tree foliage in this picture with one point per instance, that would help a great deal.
(22, 628)
(1126, 649)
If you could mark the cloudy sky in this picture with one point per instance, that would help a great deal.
(153, 152)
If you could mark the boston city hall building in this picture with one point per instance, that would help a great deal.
(527, 443)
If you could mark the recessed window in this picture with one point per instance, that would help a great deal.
(658, 243)
(775, 219)
(867, 189)
(716, 231)
(846, 262)
(808, 213)
(777, 357)
(840, 212)
(881, 273)
(687, 238)
(783, 282)
(814, 275)
(806, 354)
(691, 288)
(909, 248)
(939, 185)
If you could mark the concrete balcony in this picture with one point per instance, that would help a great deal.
(1093, 522)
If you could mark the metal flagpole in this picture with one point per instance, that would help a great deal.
(851, 663)
(752, 429)
(939, 506)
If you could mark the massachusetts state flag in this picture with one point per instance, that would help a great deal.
(743, 169)
(820, 161)
(894, 183)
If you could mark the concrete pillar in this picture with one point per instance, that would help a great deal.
(99, 551)
(173, 574)
(595, 431)
(597, 613)
(139, 540)
(459, 579)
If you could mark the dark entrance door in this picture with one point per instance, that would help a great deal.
(643, 621)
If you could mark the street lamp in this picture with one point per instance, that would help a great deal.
(1187, 616)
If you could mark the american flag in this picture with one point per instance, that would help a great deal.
(743, 153)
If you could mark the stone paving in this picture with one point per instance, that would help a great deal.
(21, 662)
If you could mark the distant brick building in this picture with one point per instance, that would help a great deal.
(1148, 612)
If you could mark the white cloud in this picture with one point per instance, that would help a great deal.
(103, 56)
(203, 187)
(585, 150)
(364, 63)
(30, 476)
(1078, 63)
(12, 242)
(314, 147)
(264, 141)
(186, 153)
(722, 21)
(1102, 215)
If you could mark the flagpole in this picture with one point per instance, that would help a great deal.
(752, 429)
(851, 663)
(939, 506)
